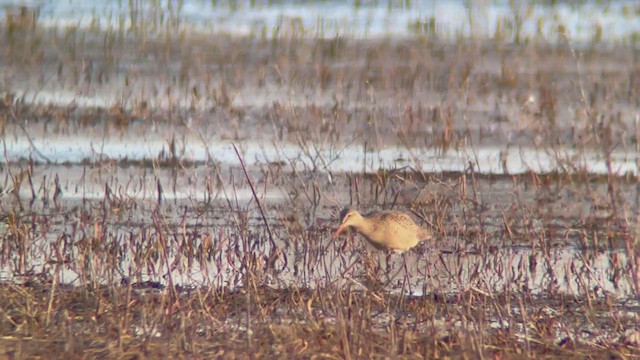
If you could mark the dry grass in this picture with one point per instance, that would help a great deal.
(218, 276)
(115, 322)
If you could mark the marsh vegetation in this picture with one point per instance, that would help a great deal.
(171, 191)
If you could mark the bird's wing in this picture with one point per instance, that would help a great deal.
(406, 222)
(399, 218)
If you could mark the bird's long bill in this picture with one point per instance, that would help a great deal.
(340, 229)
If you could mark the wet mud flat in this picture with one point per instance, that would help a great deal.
(129, 231)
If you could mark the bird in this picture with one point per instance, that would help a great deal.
(385, 230)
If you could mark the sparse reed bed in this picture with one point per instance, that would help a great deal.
(173, 255)
(142, 278)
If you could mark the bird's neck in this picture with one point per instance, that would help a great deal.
(365, 226)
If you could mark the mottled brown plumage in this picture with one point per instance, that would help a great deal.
(385, 230)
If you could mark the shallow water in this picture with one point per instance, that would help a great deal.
(429, 269)
(332, 158)
(545, 252)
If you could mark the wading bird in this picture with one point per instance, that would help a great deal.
(385, 230)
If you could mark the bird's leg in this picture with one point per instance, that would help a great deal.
(429, 270)
(379, 266)
(388, 264)
(406, 270)
(389, 268)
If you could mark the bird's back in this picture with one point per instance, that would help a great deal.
(395, 230)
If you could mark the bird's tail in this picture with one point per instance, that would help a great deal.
(425, 235)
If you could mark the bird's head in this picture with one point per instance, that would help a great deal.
(348, 217)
